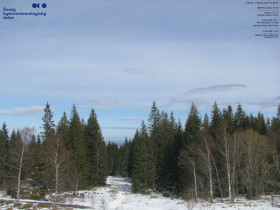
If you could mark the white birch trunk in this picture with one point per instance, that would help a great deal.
(19, 173)
(228, 165)
(56, 176)
(195, 184)
(97, 161)
(210, 170)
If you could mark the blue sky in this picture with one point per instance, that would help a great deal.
(118, 56)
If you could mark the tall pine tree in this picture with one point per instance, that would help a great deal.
(142, 172)
(48, 124)
(76, 144)
(96, 152)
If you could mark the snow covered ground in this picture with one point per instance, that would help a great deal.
(117, 195)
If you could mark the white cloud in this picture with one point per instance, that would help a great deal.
(266, 103)
(34, 110)
(216, 88)
(128, 118)
(107, 103)
(120, 128)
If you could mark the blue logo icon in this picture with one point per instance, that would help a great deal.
(37, 5)
(34, 5)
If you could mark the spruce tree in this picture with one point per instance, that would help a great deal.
(241, 121)
(193, 125)
(96, 152)
(228, 115)
(216, 119)
(124, 155)
(142, 172)
(154, 120)
(261, 126)
(4, 141)
(112, 151)
(63, 127)
(39, 163)
(31, 154)
(76, 144)
(12, 139)
(178, 142)
(48, 124)
(156, 142)
(205, 124)
(4, 136)
(188, 156)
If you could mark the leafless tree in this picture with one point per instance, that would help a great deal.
(205, 152)
(189, 162)
(58, 158)
(275, 151)
(16, 156)
(254, 155)
(227, 151)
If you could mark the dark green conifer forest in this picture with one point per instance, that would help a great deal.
(226, 154)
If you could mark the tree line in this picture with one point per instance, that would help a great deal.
(227, 154)
(68, 156)
(224, 155)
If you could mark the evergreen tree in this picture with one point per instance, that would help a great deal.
(154, 120)
(216, 120)
(4, 136)
(261, 126)
(275, 122)
(165, 146)
(113, 151)
(178, 143)
(31, 153)
(39, 164)
(193, 125)
(156, 141)
(4, 141)
(241, 121)
(124, 156)
(96, 152)
(205, 124)
(12, 139)
(228, 115)
(76, 144)
(48, 124)
(63, 127)
(252, 122)
(188, 156)
(142, 173)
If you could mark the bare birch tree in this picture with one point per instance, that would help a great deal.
(205, 152)
(188, 161)
(227, 150)
(58, 158)
(16, 156)
(275, 153)
(255, 150)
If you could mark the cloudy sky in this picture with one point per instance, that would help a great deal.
(118, 56)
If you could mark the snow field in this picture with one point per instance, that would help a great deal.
(117, 195)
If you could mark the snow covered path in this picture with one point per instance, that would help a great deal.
(118, 196)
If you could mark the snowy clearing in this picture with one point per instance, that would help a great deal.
(117, 195)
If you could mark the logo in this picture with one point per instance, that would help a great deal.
(37, 5)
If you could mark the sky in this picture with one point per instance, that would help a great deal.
(118, 56)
